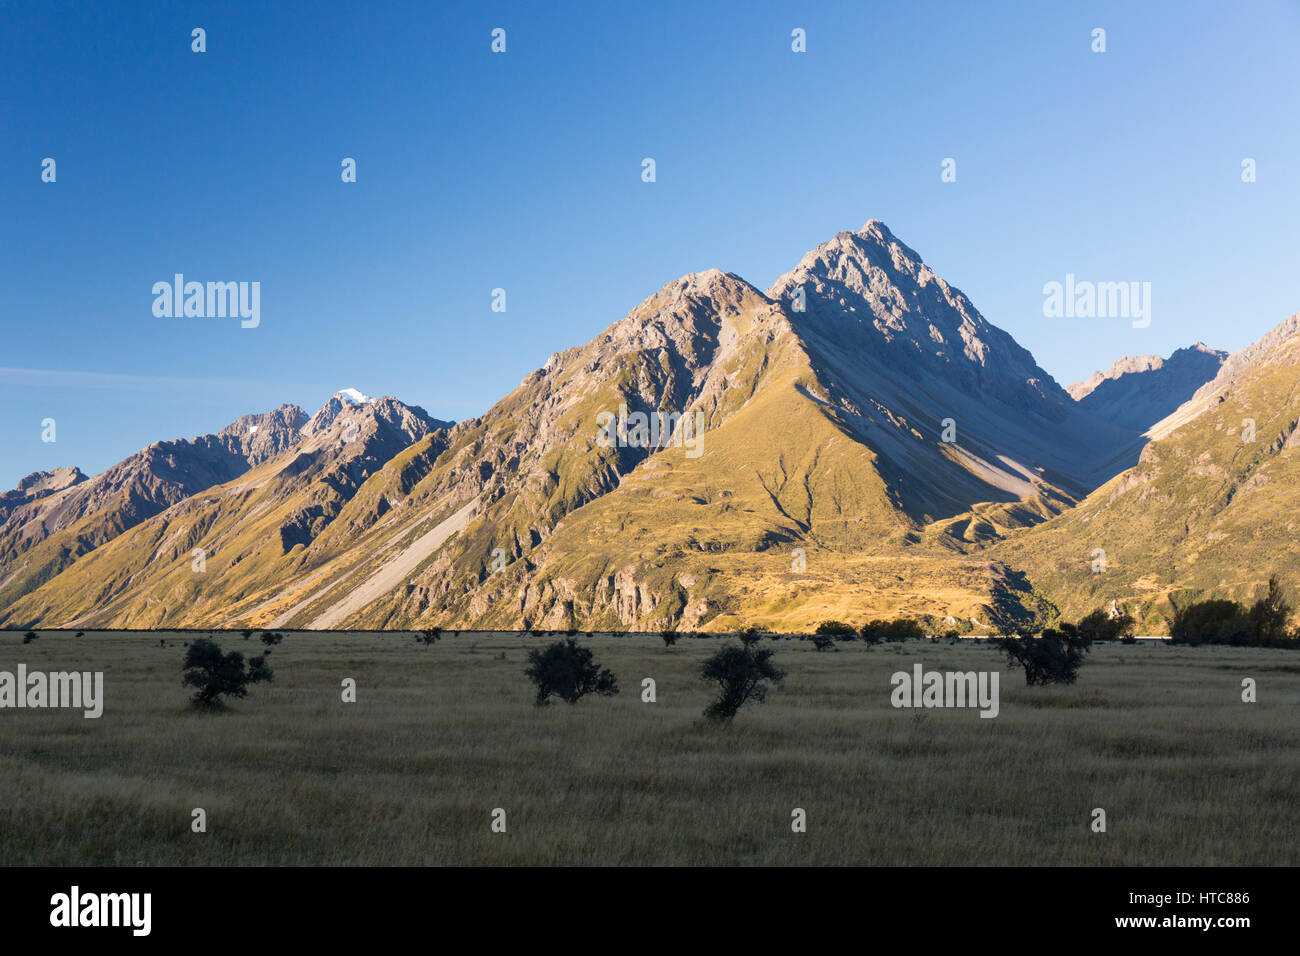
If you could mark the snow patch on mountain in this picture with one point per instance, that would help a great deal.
(350, 396)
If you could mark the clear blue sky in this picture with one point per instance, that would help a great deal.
(523, 171)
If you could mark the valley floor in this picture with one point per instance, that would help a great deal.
(440, 736)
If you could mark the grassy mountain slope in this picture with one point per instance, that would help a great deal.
(1206, 511)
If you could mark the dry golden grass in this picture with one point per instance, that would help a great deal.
(441, 735)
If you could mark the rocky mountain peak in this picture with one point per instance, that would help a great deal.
(409, 421)
(867, 292)
(39, 484)
(47, 482)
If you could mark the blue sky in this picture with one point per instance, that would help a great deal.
(523, 171)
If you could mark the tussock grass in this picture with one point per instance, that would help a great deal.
(441, 735)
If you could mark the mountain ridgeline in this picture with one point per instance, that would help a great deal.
(857, 441)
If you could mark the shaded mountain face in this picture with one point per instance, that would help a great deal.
(1138, 392)
(833, 447)
(1208, 508)
(900, 351)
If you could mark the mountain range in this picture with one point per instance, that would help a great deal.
(855, 441)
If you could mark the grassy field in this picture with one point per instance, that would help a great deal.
(442, 735)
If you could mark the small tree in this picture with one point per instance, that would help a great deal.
(873, 632)
(430, 636)
(742, 674)
(1211, 622)
(215, 675)
(901, 628)
(29, 637)
(822, 642)
(1267, 618)
(836, 629)
(750, 636)
(670, 638)
(567, 670)
(1054, 658)
(270, 638)
(1100, 626)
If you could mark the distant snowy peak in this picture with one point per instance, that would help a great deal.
(350, 396)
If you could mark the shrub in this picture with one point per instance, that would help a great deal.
(670, 638)
(1054, 658)
(836, 629)
(742, 674)
(271, 638)
(1100, 626)
(215, 675)
(29, 637)
(430, 636)
(1267, 619)
(901, 628)
(1210, 622)
(898, 629)
(873, 632)
(750, 636)
(822, 642)
(568, 671)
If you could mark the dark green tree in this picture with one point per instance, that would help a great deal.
(215, 674)
(837, 629)
(568, 670)
(1054, 658)
(1100, 626)
(1268, 616)
(742, 674)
